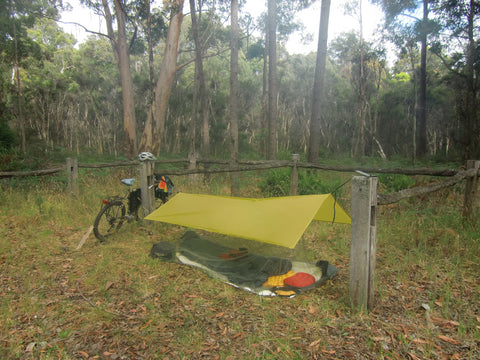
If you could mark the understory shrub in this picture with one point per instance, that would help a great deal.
(395, 182)
(277, 183)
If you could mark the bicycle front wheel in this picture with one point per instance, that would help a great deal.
(109, 220)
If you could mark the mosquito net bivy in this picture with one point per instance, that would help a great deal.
(279, 221)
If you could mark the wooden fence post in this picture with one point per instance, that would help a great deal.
(470, 196)
(363, 241)
(294, 176)
(72, 174)
(192, 165)
(146, 186)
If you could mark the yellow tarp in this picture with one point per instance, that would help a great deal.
(280, 221)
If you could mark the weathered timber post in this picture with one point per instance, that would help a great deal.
(294, 176)
(471, 187)
(146, 186)
(72, 174)
(234, 177)
(363, 241)
(192, 165)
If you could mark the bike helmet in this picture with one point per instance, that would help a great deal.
(144, 156)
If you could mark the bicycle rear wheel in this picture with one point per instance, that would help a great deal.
(109, 220)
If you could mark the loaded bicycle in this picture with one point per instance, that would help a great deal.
(118, 209)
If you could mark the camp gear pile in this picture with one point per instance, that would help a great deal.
(239, 267)
(279, 222)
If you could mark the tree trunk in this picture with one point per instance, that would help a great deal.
(120, 50)
(263, 117)
(318, 93)
(422, 102)
(361, 153)
(233, 101)
(155, 123)
(470, 127)
(21, 121)
(130, 138)
(272, 80)
(200, 88)
(150, 51)
(375, 116)
(193, 118)
(415, 105)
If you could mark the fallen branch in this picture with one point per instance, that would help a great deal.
(385, 199)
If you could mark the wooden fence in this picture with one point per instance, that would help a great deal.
(193, 166)
(365, 199)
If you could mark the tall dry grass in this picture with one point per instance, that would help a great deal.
(112, 301)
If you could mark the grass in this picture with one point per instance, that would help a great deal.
(112, 300)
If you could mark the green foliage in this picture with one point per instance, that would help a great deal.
(7, 137)
(72, 97)
(256, 50)
(395, 105)
(402, 77)
(395, 182)
(314, 183)
(277, 183)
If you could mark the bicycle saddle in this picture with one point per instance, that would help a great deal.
(128, 182)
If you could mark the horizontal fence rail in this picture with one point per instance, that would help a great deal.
(386, 199)
(193, 166)
(242, 166)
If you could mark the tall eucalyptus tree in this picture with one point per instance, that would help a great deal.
(272, 79)
(233, 100)
(155, 123)
(424, 26)
(460, 19)
(280, 19)
(318, 90)
(15, 18)
(200, 93)
(117, 10)
(122, 54)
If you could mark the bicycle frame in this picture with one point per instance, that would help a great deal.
(131, 195)
(113, 211)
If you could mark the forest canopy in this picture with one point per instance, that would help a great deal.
(160, 79)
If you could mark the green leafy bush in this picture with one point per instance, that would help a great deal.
(395, 182)
(7, 136)
(277, 183)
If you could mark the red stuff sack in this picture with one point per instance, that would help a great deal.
(300, 279)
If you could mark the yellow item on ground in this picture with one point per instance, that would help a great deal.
(285, 292)
(280, 221)
(277, 281)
